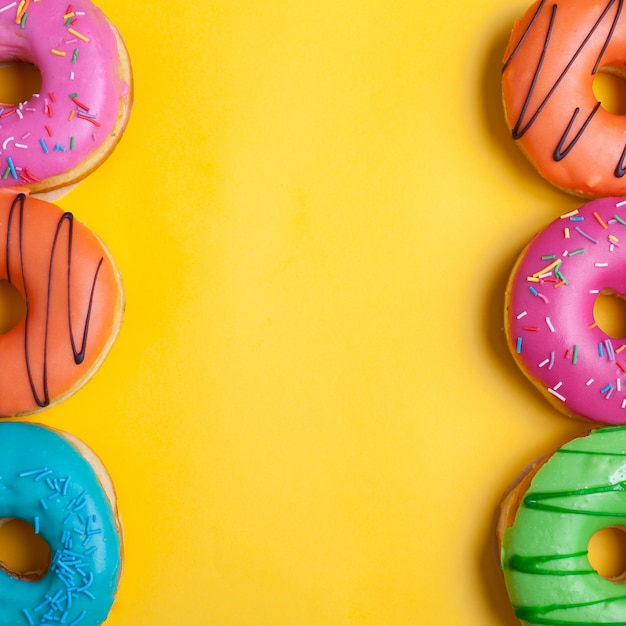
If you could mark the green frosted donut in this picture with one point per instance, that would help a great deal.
(578, 491)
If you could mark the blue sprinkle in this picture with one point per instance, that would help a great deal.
(577, 219)
(44, 504)
(533, 291)
(28, 617)
(43, 145)
(519, 345)
(609, 387)
(12, 167)
(36, 524)
(32, 472)
(80, 617)
(601, 349)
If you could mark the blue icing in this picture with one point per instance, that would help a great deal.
(48, 483)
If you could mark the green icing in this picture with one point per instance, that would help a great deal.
(580, 490)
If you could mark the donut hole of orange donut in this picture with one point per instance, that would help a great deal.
(12, 306)
(607, 553)
(609, 313)
(24, 554)
(609, 88)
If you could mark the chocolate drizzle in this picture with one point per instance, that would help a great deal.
(527, 117)
(561, 153)
(39, 381)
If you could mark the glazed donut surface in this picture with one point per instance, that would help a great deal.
(549, 318)
(55, 483)
(545, 527)
(553, 55)
(74, 303)
(65, 131)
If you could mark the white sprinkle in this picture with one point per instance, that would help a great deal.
(611, 247)
(566, 253)
(21, 145)
(544, 363)
(589, 382)
(556, 394)
(549, 323)
(594, 291)
(71, 75)
(8, 6)
(624, 404)
(5, 143)
(601, 264)
(558, 386)
(19, 114)
(619, 384)
(546, 275)
(522, 314)
(622, 203)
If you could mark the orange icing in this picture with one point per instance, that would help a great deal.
(554, 53)
(72, 293)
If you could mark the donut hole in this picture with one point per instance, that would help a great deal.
(609, 313)
(24, 554)
(607, 553)
(12, 306)
(19, 81)
(609, 88)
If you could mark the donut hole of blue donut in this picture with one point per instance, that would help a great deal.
(607, 553)
(12, 307)
(609, 88)
(24, 554)
(609, 313)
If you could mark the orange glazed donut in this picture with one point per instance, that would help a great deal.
(74, 303)
(553, 55)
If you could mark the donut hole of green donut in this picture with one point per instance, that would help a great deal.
(609, 88)
(607, 553)
(23, 553)
(609, 313)
(12, 307)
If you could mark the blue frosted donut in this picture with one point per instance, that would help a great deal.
(54, 482)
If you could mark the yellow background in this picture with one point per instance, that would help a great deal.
(311, 414)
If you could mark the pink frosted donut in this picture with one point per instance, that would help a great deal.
(69, 128)
(550, 323)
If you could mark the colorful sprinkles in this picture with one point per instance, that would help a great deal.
(67, 54)
(564, 271)
(72, 565)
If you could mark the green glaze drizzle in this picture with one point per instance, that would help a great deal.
(578, 491)
(535, 564)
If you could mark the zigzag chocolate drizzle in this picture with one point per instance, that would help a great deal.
(39, 381)
(527, 118)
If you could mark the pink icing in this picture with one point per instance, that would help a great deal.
(77, 109)
(551, 328)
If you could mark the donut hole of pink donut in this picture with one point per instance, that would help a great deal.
(609, 312)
